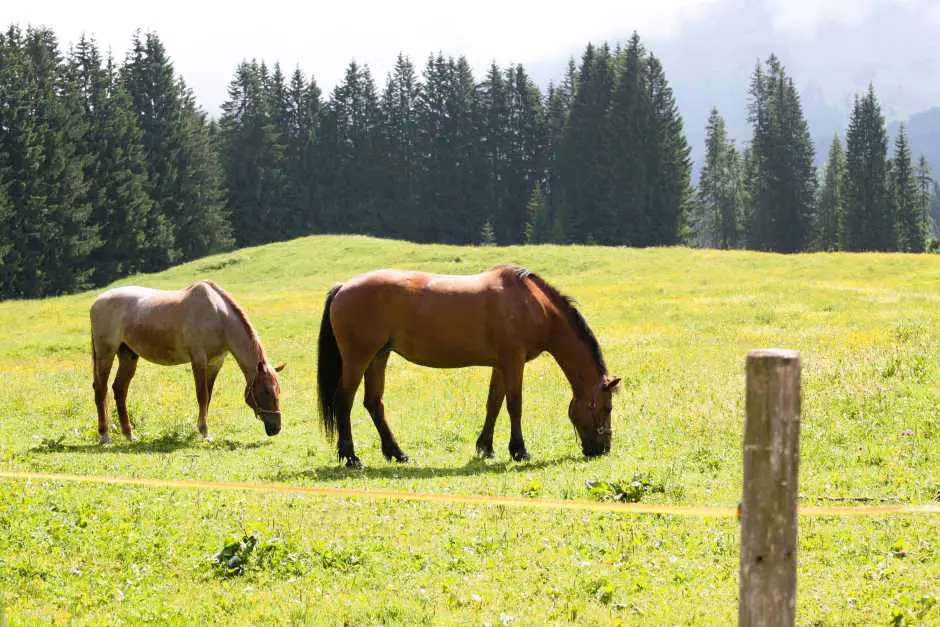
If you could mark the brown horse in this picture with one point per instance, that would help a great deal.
(198, 325)
(502, 318)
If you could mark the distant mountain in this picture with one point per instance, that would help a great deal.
(709, 60)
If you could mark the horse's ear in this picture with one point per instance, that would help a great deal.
(612, 383)
(260, 367)
(279, 368)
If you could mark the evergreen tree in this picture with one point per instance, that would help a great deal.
(254, 149)
(41, 146)
(300, 153)
(926, 188)
(525, 145)
(133, 237)
(557, 106)
(149, 80)
(538, 228)
(831, 203)
(869, 223)
(720, 187)
(782, 181)
(492, 102)
(452, 171)
(400, 126)
(351, 156)
(203, 222)
(584, 163)
(626, 218)
(668, 188)
(907, 205)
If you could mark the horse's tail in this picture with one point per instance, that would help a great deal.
(329, 368)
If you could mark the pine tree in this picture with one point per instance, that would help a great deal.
(487, 234)
(584, 160)
(300, 153)
(452, 171)
(149, 80)
(41, 147)
(538, 227)
(400, 126)
(908, 209)
(869, 223)
(492, 103)
(781, 183)
(626, 217)
(525, 145)
(831, 204)
(255, 171)
(133, 237)
(203, 222)
(720, 194)
(926, 191)
(668, 188)
(351, 156)
(557, 106)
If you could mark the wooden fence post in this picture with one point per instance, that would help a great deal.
(768, 508)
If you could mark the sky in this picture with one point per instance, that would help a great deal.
(207, 40)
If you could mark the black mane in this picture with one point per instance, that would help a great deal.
(566, 304)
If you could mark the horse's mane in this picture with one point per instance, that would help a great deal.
(567, 305)
(240, 313)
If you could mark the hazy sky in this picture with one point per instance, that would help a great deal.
(207, 40)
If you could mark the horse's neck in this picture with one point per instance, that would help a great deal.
(241, 345)
(575, 359)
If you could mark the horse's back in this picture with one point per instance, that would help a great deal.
(153, 323)
(438, 319)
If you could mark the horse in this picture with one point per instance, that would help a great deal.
(199, 325)
(501, 318)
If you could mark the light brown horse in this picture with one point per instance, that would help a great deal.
(198, 325)
(501, 318)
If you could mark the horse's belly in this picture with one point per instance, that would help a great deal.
(159, 346)
(444, 354)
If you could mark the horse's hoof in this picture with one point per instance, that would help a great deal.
(131, 437)
(485, 453)
(401, 458)
(105, 439)
(206, 437)
(520, 456)
(353, 462)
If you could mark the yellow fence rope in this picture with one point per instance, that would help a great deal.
(465, 499)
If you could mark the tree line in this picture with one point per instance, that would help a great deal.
(769, 196)
(110, 168)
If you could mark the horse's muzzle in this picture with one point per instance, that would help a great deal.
(596, 448)
(272, 426)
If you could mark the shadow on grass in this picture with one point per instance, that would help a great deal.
(164, 443)
(391, 470)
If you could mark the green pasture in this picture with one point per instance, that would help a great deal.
(676, 324)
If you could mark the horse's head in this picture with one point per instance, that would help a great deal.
(591, 416)
(262, 394)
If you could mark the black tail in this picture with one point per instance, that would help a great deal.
(329, 368)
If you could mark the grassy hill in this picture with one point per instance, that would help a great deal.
(676, 324)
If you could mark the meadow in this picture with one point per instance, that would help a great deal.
(676, 324)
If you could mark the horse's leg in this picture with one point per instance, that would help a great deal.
(127, 366)
(353, 370)
(213, 371)
(104, 359)
(493, 404)
(512, 367)
(372, 399)
(201, 376)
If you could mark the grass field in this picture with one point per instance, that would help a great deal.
(676, 324)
